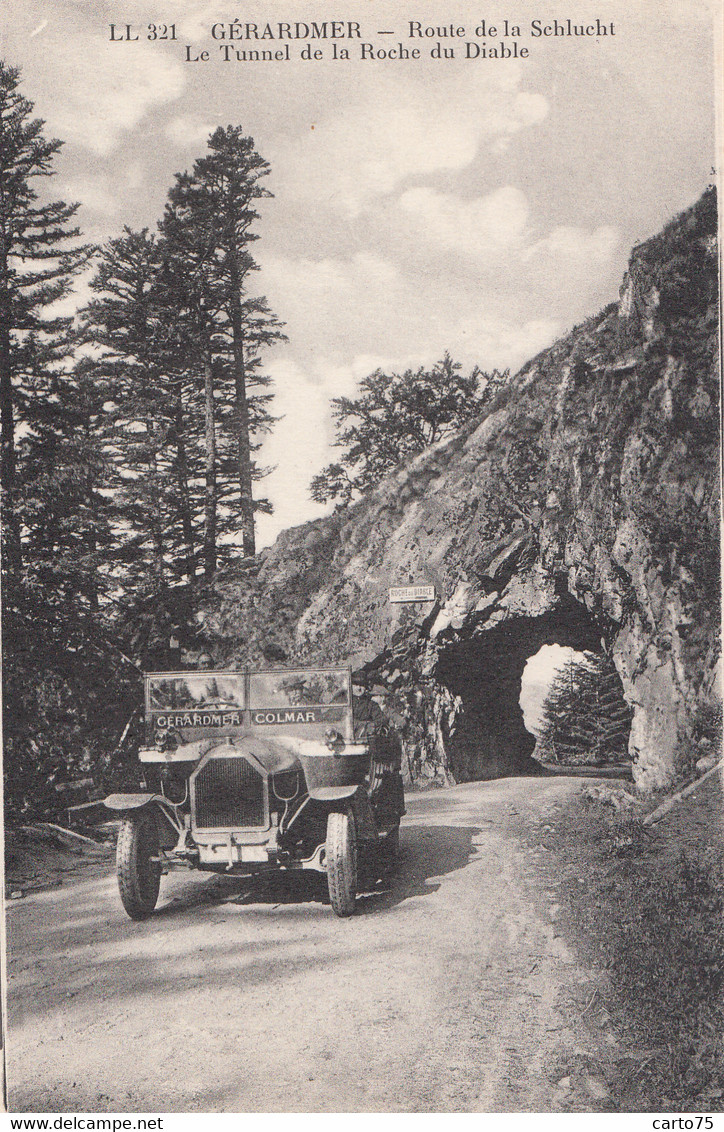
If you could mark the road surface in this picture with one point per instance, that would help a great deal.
(439, 995)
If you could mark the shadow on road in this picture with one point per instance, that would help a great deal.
(87, 950)
(427, 853)
(272, 888)
(621, 770)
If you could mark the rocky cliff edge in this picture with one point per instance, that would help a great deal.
(583, 508)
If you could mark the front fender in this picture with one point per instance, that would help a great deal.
(332, 793)
(121, 802)
(169, 828)
(363, 814)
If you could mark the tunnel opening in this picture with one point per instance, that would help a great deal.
(488, 737)
(539, 673)
(573, 702)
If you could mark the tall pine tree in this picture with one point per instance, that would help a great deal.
(585, 717)
(208, 226)
(39, 255)
(57, 662)
(141, 362)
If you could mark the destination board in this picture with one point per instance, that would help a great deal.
(412, 593)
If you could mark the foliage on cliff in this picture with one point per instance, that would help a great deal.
(397, 416)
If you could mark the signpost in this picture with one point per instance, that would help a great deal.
(412, 593)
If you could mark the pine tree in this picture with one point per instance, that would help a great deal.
(140, 362)
(208, 227)
(186, 277)
(585, 717)
(39, 256)
(57, 662)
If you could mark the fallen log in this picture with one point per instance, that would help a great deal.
(669, 804)
(70, 834)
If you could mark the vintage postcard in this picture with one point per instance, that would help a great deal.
(360, 447)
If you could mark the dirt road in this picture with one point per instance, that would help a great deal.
(440, 994)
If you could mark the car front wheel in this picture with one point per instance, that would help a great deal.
(137, 864)
(342, 862)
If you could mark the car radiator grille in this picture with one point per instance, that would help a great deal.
(229, 793)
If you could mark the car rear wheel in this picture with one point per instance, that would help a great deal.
(137, 864)
(342, 862)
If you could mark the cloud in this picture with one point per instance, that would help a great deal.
(331, 275)
(400, 130)
(507, 116)
(500, 218)
(88, 99)
(298, 447)
(356, 307)
(321, 300)
(503, 343)
(495, 234)
(95, 193)
(104, 193)
(301, 442)
(576, 244)
(188, 132)
(384, 150)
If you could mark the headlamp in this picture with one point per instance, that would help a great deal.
(333, 739)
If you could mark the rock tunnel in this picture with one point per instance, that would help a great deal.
(489, 738)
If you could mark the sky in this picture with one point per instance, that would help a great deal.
(538, 673)
(482, 206)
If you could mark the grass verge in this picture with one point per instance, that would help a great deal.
(650, 915)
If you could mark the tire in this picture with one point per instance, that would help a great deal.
(342, 862)
(139, 877)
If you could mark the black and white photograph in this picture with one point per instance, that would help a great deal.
(360, 465)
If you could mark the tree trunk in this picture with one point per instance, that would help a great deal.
(155, 517)
(210, 493)
(11, 524)
(182, 483)
(91, 543)
(246, 500)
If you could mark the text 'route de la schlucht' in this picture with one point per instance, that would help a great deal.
(342, 40)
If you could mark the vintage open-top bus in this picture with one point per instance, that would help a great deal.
(248, 771)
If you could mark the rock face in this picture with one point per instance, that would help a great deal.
(582, 509)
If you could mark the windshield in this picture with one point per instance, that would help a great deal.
(205, 689)
(298, 688)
